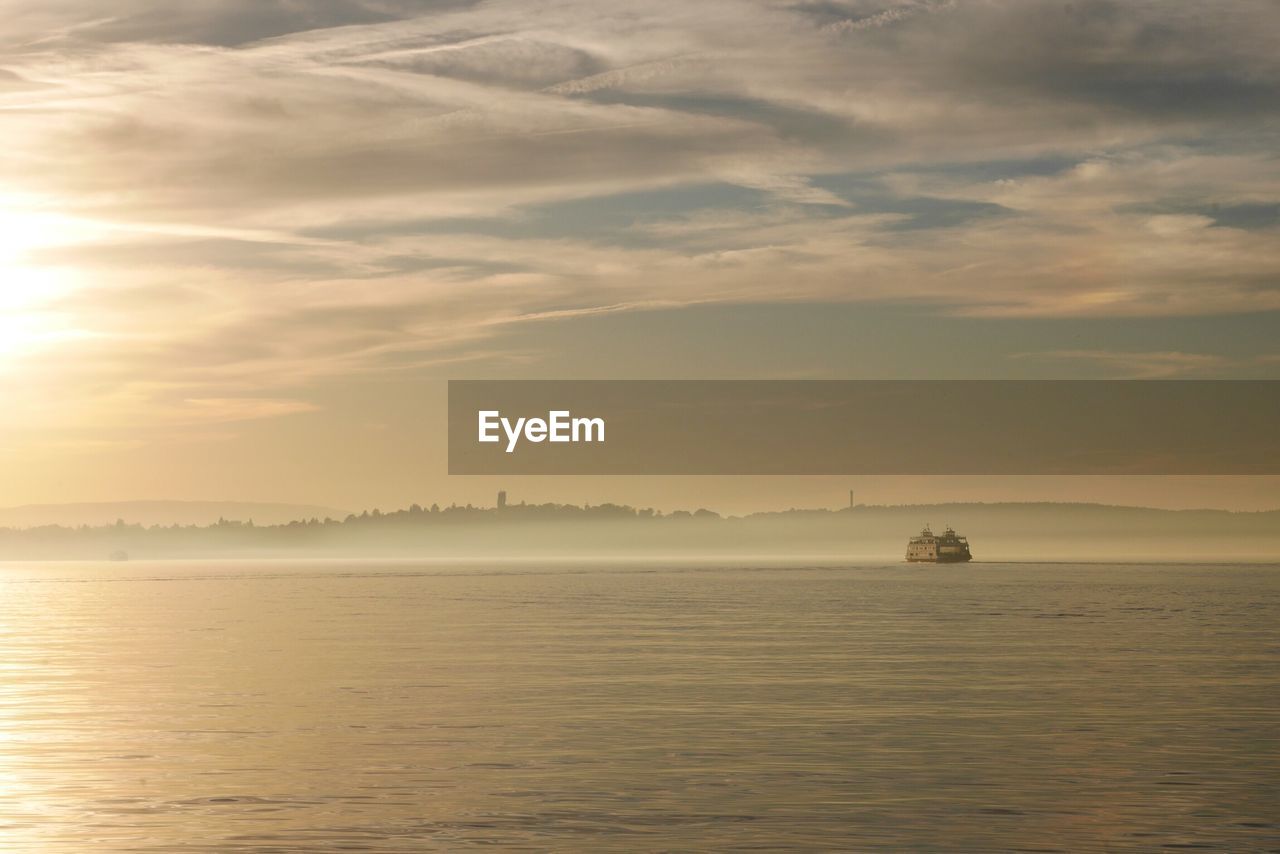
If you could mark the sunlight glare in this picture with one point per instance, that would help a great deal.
(29, 291)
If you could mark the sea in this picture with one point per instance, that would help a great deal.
(273, 706)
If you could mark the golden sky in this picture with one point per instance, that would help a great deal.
(244, 242)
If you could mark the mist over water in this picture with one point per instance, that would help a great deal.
(612, 532)
(326, 706)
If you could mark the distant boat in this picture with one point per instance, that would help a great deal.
(947, 547)
(119, 554)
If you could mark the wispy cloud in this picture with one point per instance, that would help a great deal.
(252, 196)
(1154, 365)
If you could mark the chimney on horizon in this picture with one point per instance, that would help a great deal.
(502, 499)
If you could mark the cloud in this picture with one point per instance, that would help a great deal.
(205, 410)
(1158, 365)
(881, 18)
(205, 22)
(252, 197)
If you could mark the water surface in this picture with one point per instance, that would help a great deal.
(276, 707)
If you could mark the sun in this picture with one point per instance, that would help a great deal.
(33, 292)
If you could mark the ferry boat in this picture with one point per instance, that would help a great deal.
(947, 547)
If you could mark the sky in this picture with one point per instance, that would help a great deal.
(244, 243)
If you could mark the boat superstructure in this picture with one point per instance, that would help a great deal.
(947, 547)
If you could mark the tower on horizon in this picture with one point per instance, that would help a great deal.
(502, 499)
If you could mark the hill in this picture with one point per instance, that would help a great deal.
(1007, 531)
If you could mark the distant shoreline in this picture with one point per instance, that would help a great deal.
(1060, 533)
